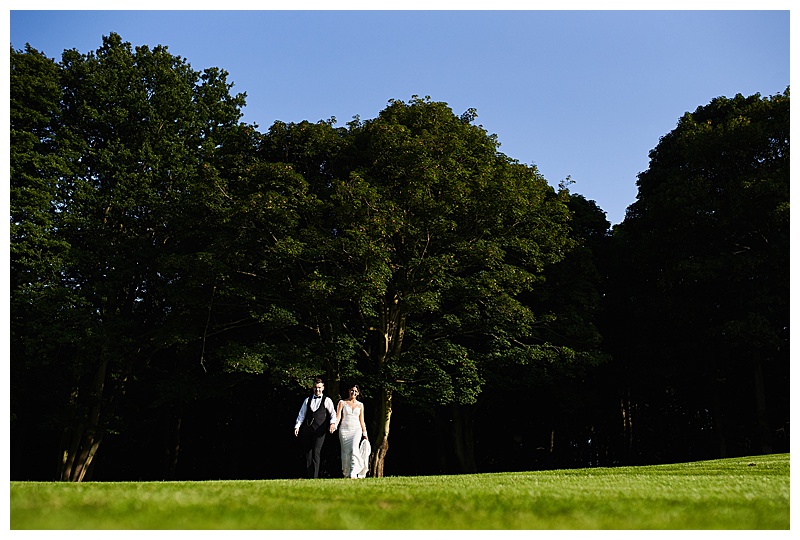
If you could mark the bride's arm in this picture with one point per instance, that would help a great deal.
(361, 419)
(338, 412)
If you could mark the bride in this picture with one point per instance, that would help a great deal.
(352, 431)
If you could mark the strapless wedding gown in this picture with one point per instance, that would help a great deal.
(354, 465)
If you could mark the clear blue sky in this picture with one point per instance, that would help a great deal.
(581, 93)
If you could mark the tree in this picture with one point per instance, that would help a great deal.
(434, 236)
(144, 137)
(402, 249)
(704, 283)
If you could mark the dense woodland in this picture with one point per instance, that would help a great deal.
(178, 277)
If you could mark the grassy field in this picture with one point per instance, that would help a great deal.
(743, 493)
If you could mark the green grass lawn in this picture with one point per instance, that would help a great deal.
(742, 493)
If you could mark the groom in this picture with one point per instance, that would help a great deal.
(315, 420)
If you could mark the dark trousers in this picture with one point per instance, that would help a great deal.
(313, 439)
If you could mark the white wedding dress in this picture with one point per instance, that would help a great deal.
(354, 463)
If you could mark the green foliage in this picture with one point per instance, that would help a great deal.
(702, 280)
(742, 493)
(130, 144)
(454, 233)
(401, 251)
(36, 163)
(710, 226)
(402, 248)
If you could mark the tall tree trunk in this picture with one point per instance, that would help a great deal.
(79, 448)
(385, 349)
(173, 442)
(764, 437)
(626, 410)
(81, 441)
(719, 423)
(383, 417)
(463, 438)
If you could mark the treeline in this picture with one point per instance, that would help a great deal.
(178, 278)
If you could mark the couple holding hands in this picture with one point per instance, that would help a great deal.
(317, 418)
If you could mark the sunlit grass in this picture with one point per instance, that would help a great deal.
(744, 493)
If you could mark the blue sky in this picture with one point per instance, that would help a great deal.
(585, 94)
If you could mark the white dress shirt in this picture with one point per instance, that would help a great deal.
(315, 402)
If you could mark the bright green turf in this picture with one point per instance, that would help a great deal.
(741, 493)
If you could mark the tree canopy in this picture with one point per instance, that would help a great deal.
(130, 144)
